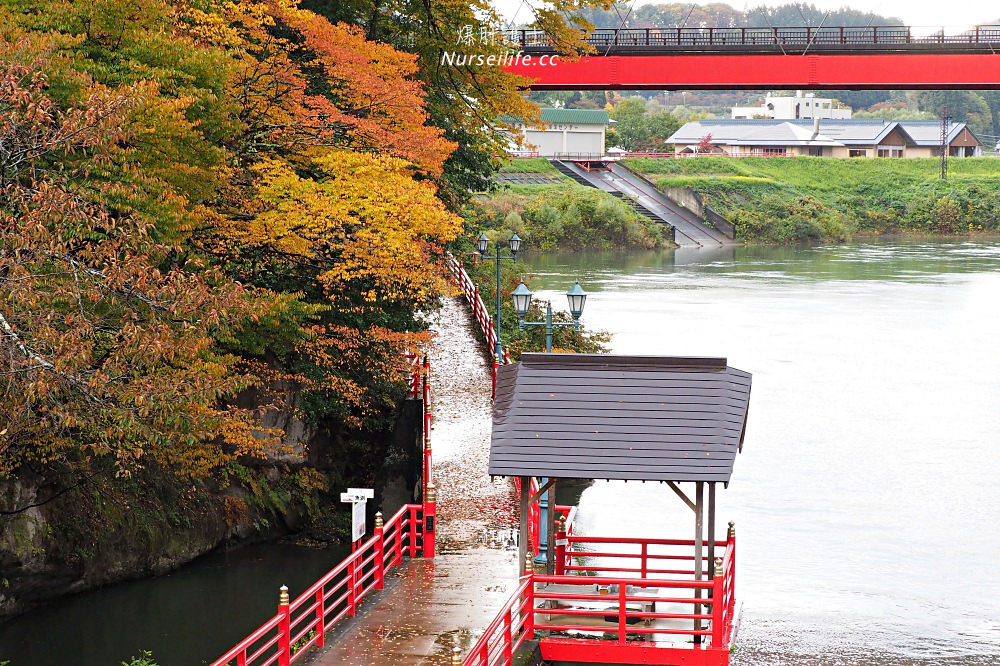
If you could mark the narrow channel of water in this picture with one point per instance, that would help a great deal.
(189, 617)
(868, 494)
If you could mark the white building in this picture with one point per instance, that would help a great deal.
(566, 132)
(855, 137)
(793, 108)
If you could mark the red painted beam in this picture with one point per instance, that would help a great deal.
(606, 652)
(898, 71)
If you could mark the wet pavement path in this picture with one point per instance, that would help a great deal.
(428, 607)
(473, 510)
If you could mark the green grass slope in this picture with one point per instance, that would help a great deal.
(788, 200)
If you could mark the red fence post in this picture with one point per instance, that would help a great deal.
(379, 553)
(529, 606)
(351, 588)
(718, 599)
(561, 543)
(493, 391)
(428, 465)
(284, 629)
(621, 613)
(430, 518)
(731, 539)
(507, 637)
(320, 618)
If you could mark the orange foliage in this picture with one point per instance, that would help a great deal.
(324, 85)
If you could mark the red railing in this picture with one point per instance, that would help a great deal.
(479, 311)
(511, 627)
(414, 374)
(303, 623)
(699, 632)
(482, 316)
(534, 513)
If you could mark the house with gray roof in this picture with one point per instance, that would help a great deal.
(854, 137)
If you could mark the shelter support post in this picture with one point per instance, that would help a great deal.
(522, 538)
(711, 529)
(699, 533)
(552, 519)
(711, 549)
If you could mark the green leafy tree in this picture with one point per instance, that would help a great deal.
(963, 106)
(630, 123)
(660, 126)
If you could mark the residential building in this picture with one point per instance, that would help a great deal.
(856, 137)
(793, 108)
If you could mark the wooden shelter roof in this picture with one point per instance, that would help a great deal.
(595, 416)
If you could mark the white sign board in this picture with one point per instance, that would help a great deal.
(358, 522)
(358, 497)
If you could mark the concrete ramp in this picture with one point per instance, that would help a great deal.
(689, 230)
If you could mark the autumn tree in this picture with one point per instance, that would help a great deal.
(356, 237)
(323, 204)
(474, 101)
(256, 206)
(108, 345)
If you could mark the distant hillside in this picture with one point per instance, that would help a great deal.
(721, 15)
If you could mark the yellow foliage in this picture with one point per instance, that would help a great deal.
(363, 218)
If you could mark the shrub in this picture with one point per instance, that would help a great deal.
(569, 218)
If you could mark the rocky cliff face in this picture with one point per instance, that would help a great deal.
(83, 528)
(105, 530)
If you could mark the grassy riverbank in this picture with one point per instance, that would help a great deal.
(529, 165)
(566, 216)
(809, 198)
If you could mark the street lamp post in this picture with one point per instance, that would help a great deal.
(515, 246)
(521, 296)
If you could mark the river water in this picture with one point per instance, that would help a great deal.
(189, 617)
(867, 496)
(866, 500)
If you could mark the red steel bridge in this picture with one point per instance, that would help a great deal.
(857, 58)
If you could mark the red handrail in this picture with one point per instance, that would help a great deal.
(479, 310)
(500, 641)
(414, 373)
(304, 622)
(517, 621)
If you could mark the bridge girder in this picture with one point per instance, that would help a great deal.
(818, 71)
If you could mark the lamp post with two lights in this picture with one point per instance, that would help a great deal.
(521, 296)
(482, 244)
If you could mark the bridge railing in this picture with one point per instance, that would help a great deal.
(479, 310)
(627, 607)
(883, 35)
(303, 623)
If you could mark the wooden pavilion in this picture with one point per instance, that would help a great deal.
(645, 418)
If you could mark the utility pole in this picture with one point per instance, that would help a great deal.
(945, 123)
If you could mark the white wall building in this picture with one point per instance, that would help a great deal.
(565, 132)
(793, 108)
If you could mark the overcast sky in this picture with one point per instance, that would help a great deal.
(927, 13)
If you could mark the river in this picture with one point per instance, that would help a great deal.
(866, 500)
(867, 496)
(189, 617)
